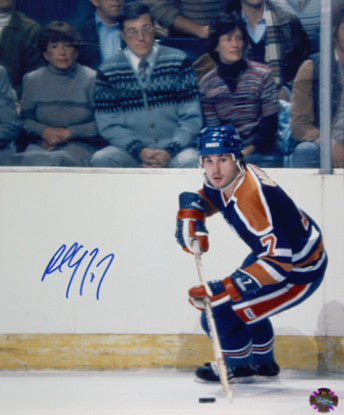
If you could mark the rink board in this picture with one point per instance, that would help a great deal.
(122, 287)
(119, 351)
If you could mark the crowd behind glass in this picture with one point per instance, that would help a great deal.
(118, 83)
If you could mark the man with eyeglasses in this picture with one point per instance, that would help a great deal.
(147, 100)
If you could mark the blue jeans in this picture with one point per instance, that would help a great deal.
(306, 154)
(111, 156)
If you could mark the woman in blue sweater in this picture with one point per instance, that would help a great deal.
(58, 105)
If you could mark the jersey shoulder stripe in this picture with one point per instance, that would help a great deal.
(251, 204)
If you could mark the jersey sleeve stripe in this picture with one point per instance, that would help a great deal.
(263, 273)
(315, 255)
(312, 267)
(312, 240)
(286, 266)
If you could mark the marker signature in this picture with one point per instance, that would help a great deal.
(76, 259)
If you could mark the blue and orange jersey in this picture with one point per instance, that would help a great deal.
(286, 243)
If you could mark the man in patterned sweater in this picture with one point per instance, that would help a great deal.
(147, 100)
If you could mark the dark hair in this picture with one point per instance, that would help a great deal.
(222, 24)
(58, 31)
(337, 18)
(133, 10)
(233, 5)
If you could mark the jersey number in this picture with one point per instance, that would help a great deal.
(270, 242)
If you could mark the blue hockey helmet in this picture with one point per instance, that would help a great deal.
(220, 140)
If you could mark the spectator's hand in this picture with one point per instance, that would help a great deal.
(337, 154)
(53, 136)
(154, 158)
(185, 25)
(162, 157)
(147, 157)
(204, 32)
(284, 94)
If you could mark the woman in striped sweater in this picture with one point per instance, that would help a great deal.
(239, 91)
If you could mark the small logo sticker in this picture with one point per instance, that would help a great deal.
(323, 400)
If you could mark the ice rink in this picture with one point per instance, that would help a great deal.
(157, 392)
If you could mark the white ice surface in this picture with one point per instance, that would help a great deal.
(156, 392)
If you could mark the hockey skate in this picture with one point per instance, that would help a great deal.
(268, 369)
(209, 373)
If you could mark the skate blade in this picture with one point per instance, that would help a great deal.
(246, 379)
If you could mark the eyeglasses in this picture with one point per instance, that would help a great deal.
(134, 33)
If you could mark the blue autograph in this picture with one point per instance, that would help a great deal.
(66, 259)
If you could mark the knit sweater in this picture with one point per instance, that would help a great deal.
(254, 98)
(285, 36)
(53, 98)
(309, 17)
(201, 12)
(163, 113)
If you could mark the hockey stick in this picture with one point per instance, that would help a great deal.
(229, 393)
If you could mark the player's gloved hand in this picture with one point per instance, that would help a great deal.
(245, 283)
(239, 285)
(190, 222)
(219, 292)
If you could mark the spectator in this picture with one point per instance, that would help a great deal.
(18, 44)
(186, 18)
(45, 11)
(100, 33)
(147, 100)
(276, 38)
(187, 22)
(9, 120)
(238, 91)
(305, 103)
(308, 12)
(58, 105)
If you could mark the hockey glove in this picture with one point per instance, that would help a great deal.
(218, 291)
(232, 288)
(246, 284)
(190, 222)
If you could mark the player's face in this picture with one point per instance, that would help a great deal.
(230, 46)
(138, 34)
(220, 169)
(61, 55)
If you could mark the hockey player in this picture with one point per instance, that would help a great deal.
(286, 264)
